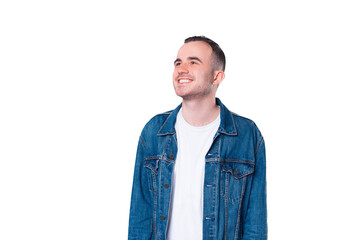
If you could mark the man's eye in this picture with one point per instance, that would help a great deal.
(177, 64)
(193, 62)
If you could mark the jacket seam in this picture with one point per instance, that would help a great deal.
(154, 214)
(160, 172)
(259, 145)
(167, 119)
(250, 162)
(226, 202)
(142, 141)
(240, 204)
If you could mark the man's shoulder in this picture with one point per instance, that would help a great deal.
(161, 117)
(233, 119)
(155, 123)
(241, 119)
(244, 124)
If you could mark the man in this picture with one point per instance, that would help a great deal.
(200, 169)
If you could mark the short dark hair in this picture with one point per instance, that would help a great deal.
(219, 60)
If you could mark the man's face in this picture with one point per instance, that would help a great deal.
(193, 74)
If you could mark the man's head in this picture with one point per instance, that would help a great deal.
(199, 68)
(218, 56)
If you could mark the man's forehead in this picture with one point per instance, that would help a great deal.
(196, 48)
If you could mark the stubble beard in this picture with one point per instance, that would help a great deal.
(198, 93)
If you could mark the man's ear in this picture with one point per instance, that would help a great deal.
(218, 77)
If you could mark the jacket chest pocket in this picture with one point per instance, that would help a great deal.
(152, 167)
(233, 179)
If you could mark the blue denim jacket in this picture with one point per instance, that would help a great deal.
(234, 182)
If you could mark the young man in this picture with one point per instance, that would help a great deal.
(200, 170)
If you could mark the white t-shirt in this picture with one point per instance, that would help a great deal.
(186, 206)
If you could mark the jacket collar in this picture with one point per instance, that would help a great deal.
(227, 124)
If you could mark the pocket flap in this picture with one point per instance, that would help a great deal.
(152, 164)
(238, 170)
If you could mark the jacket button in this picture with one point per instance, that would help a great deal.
(162, 217)
(171, 156)
(166, 185)
(236, 171)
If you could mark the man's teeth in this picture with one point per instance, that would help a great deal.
(184, 80)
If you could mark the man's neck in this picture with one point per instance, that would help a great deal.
(200, 112)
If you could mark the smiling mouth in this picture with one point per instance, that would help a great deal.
(184, 80)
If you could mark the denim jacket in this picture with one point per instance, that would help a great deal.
(234, 184)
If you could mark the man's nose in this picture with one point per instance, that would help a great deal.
(183, 69)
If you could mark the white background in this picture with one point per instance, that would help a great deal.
(79, 79)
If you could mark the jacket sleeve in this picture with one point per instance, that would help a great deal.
(141, 208)
(255, 222)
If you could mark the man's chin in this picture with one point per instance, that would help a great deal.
(187, 97)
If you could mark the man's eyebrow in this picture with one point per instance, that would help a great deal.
(189, 58)
(194, 58)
